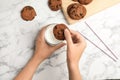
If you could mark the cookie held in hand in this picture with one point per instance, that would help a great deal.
(28, 13)
(76, 11)
(59, 31)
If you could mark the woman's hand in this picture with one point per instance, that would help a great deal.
(43, 50)
(75, 46)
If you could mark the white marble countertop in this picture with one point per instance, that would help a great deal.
(17, 42)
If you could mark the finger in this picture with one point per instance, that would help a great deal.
(78, 36)
(75, 36)
(68, 37)
(59, 46)
(73, 32)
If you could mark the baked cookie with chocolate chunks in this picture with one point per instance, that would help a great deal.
(28, 13)
(55, 4)
(84, 2)
(76, 11)
(75, 0)
(58, 31)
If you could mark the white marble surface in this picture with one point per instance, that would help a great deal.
(17, 42)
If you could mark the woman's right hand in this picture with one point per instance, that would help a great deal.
(75, 46)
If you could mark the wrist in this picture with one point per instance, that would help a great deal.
(73, 65)
(72, 61)
(37, 59)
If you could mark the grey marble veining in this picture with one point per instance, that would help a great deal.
(17, 39)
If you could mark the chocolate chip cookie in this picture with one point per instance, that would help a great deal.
(76, 11)
(85, 2)
(75, 0)
(59, 31)
(28, 13)
(55, 4)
